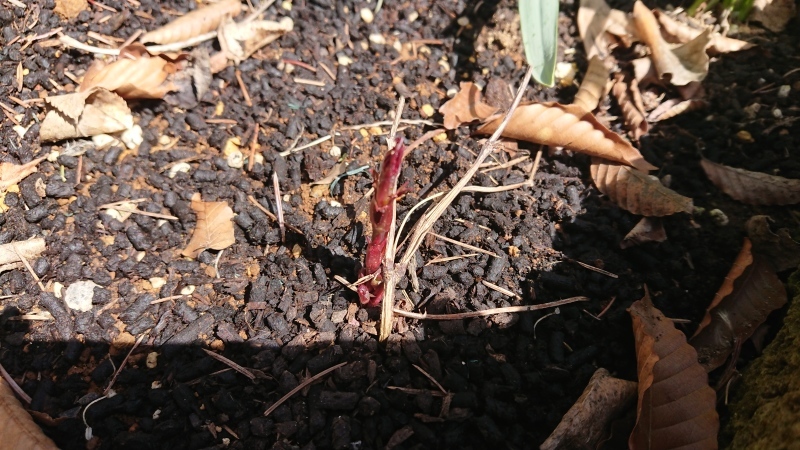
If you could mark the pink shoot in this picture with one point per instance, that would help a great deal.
(381, 214)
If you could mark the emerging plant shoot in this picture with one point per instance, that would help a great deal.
(381, 214)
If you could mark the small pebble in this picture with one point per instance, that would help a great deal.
(719, 217)
(287, 5)
(235, 159)
(463, 21)
(427, 110)
(744, 136)
(163, 140)
(79, 295)
(377, 38)
(784, 91)
(182, 167)
(344, 60)
(413, 16)
(366, 15)
(335, 151)
(152, 360)
(777, 113)
(452, 92)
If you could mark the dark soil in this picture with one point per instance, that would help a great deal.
(274, 306)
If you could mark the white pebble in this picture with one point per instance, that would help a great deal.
(719, 217)
(463, 21)
(377, 38)
(784, 91)
(366, 15)
(57, 288)
(188, 290)
(335, 151)
(413, 16)
(452, 92)
(235, 159)
(79, 295)
(182, 167)
(344, 60)
(152, 360)
(158, 282)
(777, 113)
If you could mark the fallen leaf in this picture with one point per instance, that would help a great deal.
(136, 74)
(774, 14)
(239, 40)
(753, 188)
(750, 292)
(586, 423)
(465, 107)
(214, 228)
(11, 174)
(634, 117)
(683, 63)
(782, 251)
(10, 253)
(593, 86)
(17, 427)
(192, 82)
(678, 32)
(675, 107)
(83, 114)
(648, 229)
(637, 192)
(571, 127)
(498, 94)
(194, 23)
(69, 9)
(596, 20)
(676, 406)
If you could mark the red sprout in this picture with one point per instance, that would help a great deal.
(381, 214)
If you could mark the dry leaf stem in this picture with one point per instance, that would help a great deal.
(488, 312)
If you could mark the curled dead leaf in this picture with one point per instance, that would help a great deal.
(84, 114)
(774, 14)
(593, 86)
(679, 32)
(17, 427)
(239, 40)
(634, 117)
(11, 254)
(195, 23)
(596, 21)
(782, 251)
(750, 292)
(585, 424)
(676, 406)
(214, 228)
(568, 126)
(648, 229)
(637, 192)
(465, 107)
(11, 174)
(683, 64)
(674, 107)
(753, 188)
(136, 74)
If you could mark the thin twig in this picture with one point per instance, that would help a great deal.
(175, 46)
(504, 165)
(14, 386)
(429, 135)
(27, 266)
(501, 290)
(230, 364)
(166, 299)
(253, 145)
(461, 244)
(390, 122)
(317, 83)
(279, 205)
(124, 362)
(450, 258)
(388, 257)
(488, 312)
(433, 380)
(300, 387)
(354, 285)
(286, 153)
(143, 213)
(245, 94)
(269, 214)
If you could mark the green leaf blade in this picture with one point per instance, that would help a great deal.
(539, 23)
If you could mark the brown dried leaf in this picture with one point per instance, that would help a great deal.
(678, 32)
(195, 23)
(675, 107)
(587, 421)
(774, 14)
(11, 174)
(214, 228)
(676, 406)
(498, 94)
(69, 9)
(136, 74)
(684, 63)
(649, 229)
(17, 427)
(637, 192)
(465, 107)
(634, 117)
(782, 251)
(568, 126)
(596, 20)
(593, 86)
(84, 114)
(753, 188)
(750, 292)
(239, 40)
